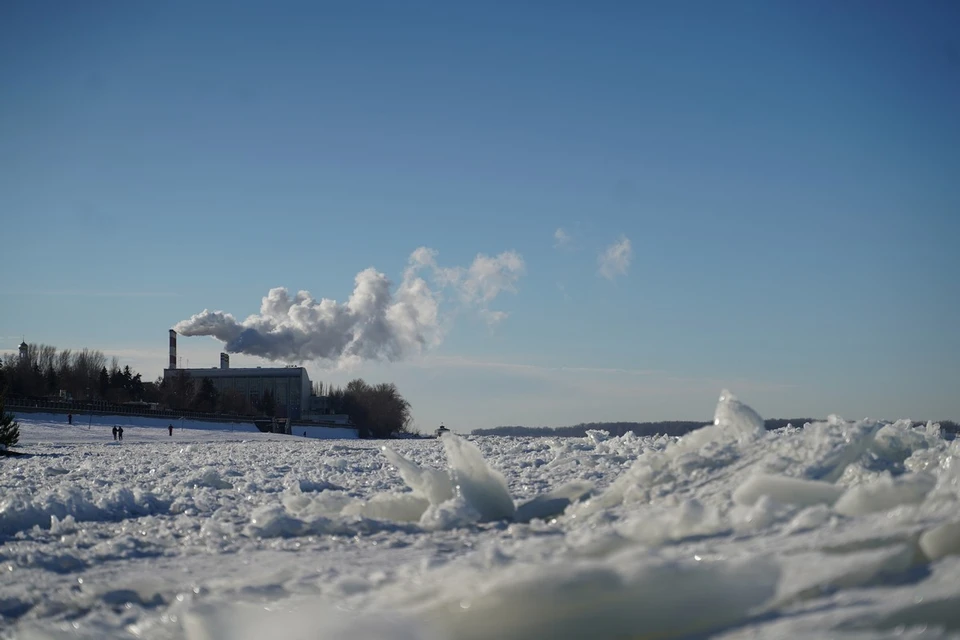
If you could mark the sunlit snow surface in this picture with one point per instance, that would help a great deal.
(837, 529)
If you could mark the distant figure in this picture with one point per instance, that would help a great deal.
(69, 418)
(114, 432)
(442, 430)
(170, 429)
(120, 433)
(304, 434)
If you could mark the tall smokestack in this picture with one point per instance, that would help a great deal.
(173, 349)
(224, 361)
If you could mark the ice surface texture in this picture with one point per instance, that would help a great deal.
(839, 528)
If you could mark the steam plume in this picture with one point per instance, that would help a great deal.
(375, 323)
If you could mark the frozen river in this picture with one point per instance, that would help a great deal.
(837, 529)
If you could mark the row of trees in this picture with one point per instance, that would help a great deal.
(378, 411)
(42, 371)
(87, 375)
(670, 428)
(667, 427)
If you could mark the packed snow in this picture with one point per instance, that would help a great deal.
(841, 529)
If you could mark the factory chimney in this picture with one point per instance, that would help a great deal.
(173, 349)
(224, 361)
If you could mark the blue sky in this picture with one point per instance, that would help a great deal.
(787, 176)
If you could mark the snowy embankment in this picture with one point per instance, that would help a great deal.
(838, 529)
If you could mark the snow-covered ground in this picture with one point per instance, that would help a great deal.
(838, 529)
(52, 428)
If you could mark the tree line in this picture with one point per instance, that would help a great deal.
(43, 371)
(669, 428)
(378, 411)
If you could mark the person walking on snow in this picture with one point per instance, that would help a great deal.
(120, 433)
(170, 429)
(69, 418)
(114, 432)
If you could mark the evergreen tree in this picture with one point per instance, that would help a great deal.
(9, 428)
(116, 379)
(136, 387)
(53, 380)
(104, 382)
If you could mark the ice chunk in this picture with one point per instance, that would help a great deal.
(273, 521)
(885, 494)
(596, 436)
(399, 507)
(733, 422)
(482, 487)
(209, 477)
(711, 447)
(896, 442)
(810, 575)
(836, 444)
(55, 471)
(306, 619)
(451, 514)
(943, 540)
(736, 418)
(809, 519)
(627, 596)
(690, 519)
(432, 484)
(786, 490)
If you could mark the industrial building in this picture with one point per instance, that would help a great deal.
(290, 386)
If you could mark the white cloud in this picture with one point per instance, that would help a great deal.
(561, 238)
(493, 318)
(481, 282)
(488, 276)
(615, 259)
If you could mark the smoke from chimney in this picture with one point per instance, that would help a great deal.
(375, 323)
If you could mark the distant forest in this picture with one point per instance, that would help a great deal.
(670, 428)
